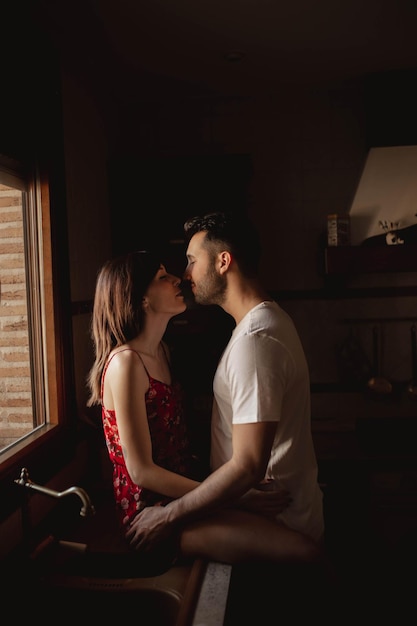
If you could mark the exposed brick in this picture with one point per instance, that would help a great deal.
(13, 372)
(10, 217)
(10, 201)
(10, 248)
(16, 419)
(19, 418)
(10, 326)
(13, 339)
(16, 294)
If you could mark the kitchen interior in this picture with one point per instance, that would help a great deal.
(303, 116)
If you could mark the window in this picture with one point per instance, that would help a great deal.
(28, 380)
(39, 429)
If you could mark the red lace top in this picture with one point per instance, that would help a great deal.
(170, 446)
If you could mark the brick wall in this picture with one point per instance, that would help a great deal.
(16, 418)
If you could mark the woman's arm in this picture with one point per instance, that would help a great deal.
(127, 383)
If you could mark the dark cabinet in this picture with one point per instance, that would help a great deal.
(345, 260)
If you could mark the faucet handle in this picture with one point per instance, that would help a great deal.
(24, 477)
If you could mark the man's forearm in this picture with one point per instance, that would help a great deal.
(221, 488)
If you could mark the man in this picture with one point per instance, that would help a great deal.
(261, 430)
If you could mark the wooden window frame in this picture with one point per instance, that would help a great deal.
(49, 314)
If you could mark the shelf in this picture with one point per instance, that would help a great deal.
(364, 259)
(337, 291)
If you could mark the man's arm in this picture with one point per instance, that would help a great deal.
(251, 451)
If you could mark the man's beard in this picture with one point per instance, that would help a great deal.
(212, 288)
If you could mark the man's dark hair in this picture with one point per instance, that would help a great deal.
(234, 233)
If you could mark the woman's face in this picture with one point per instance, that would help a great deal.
(164, 294)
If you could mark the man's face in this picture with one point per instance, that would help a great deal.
(207, 284)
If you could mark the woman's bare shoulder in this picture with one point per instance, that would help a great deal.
(123, 358)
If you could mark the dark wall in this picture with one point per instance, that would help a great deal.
(391, 105)
(152, 197)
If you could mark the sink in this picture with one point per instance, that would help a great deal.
(110, 584)
(75, 562)
(91, 573)
(113, 585)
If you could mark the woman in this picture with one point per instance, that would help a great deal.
(131, 377)
(144, 424)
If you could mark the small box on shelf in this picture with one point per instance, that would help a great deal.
(338, 230)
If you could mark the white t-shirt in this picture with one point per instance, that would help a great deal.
(263, 376)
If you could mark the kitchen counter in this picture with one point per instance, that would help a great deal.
(212, 601)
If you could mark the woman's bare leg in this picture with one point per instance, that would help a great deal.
(268, 559)
(237, 536)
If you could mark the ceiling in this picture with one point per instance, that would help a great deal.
(137, 48)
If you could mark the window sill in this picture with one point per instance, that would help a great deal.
(54, 443)
(25, 445)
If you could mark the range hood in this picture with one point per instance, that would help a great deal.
(386, 194)
(385, 200)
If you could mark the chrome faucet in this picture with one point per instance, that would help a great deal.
(87, 507)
